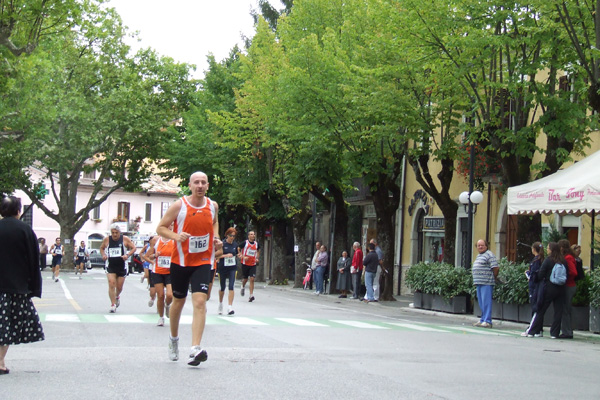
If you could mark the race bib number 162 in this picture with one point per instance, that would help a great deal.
(199, 244)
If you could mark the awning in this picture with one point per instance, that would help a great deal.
(574, 190)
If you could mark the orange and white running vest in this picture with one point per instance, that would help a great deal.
(198, 222)
(249, 253)
(162, 263)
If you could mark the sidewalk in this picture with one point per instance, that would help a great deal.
(404, 303)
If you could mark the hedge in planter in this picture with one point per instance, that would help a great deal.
(438, 278)
(594, 293)
(512, 286)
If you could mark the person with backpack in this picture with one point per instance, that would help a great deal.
(553, 274)
(570, 287)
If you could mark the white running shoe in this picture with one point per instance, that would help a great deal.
(161, 321)
(220, 308)
(173, 349)
(113, 309)
(197, 356)
(118, 301)
(150, 302)
(230, 311)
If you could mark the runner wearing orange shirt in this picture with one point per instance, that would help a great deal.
(249, 253)
(196, 236)
(159, 257)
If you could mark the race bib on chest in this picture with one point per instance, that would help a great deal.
(114, 252)
(58, 252)
(199, 244)
(229, 261)
(81, 254)
(251, 253)
(164, 262)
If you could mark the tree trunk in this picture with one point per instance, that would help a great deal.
(385, 208)
(278, 265)
(301, 256)
(529, 231)
(340, 229)
(67, 237)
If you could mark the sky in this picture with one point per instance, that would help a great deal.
(188, 30)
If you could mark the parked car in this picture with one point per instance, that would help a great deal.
(134, 264)
(96, 260)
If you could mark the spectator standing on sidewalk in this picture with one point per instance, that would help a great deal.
(536, 287)
(20, 280)
(356, 269)
(376, 285)
(553, 293)
(344, 279)
(322, 261)
(570, 288)
(43, 253)
(313, 264)
(485, 271)
(370, 262)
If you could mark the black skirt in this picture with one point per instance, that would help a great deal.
(19, 320)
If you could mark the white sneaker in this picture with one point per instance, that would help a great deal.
(167, 310)
(150, 302)
(118, 302)
(220, 308)
(197, 356)
(113, 309)
(230, 311)
(173, 349)
(161, 321)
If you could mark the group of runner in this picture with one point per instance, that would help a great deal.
(183, 256)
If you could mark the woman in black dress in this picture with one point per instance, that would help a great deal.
(20, 280)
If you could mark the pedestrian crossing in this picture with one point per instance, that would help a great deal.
(395, 325)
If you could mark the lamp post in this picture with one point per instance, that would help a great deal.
(470, 200)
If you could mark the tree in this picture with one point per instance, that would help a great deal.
(24, 23)
(508, 58)
(83, 104)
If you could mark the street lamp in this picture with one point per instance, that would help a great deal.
(470, 202)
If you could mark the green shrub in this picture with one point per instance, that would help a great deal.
(439, 278)
(582, 294)
(512, 286)
(594, 288)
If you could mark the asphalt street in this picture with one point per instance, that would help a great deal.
(288, 344)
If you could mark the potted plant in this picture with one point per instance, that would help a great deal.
(580, 310)
(439, 286)
(594, 295)
(512, 290)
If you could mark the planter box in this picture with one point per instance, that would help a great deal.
(496, 309)
(594, 320)
(418, 300)
(525, 314)
(580, 318)
(510, 312)
(427, 301)
(455, 305)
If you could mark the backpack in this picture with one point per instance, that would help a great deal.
(558, 275)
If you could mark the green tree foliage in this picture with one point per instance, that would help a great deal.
(83, 104)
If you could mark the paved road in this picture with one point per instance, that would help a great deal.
(288, 344)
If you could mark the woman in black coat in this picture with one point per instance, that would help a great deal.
(553, 294)
(20, 280)
(344, 280)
